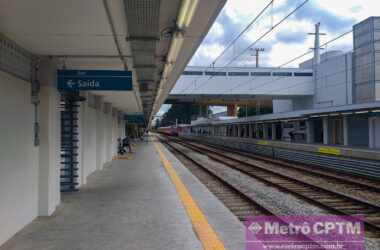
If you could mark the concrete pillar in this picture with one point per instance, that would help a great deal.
(232, 110)
(108, 131)
(371, 129)
(99, 132)
(274, 131)
(325, 121)
(309, 131)
(345, 131)
(115, 133)
(257, 131)
(203, 111)
(50, 139)
(258, 107)
(265, 131)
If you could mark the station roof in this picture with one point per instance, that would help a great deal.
(153, 38)
(362, 108)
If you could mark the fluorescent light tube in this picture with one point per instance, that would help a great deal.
(186, 13)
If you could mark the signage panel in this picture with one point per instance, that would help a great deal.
(94, 80)
(135, 119)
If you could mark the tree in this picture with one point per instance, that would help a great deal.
(184, 112)
(252, 111)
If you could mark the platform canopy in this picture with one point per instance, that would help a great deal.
(154, 39)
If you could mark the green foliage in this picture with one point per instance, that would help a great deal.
(252, 111)
(183, 112)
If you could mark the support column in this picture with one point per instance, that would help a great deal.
(345, 131)
(115, 133)
(232, 110)
(203, 111)
(258, 107)
(325, 121)
(310, 131)
(274, 131)
(265, 131)
(257, 131)
(99, 132)
(108, 131)
(50, 139)
(371, 130)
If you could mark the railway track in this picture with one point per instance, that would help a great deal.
(237, 202)
(330, 200)
(342, 178)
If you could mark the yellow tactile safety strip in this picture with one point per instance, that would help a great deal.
(205, 232)
(122, 157)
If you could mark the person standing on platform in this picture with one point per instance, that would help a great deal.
(127, 143)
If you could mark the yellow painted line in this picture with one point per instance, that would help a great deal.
(123, 157)
(329, 150)
(263, 142)
(203, 229)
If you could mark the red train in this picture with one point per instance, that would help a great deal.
(172, 130)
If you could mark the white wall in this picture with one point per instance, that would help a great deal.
(50, 139)
(29, 175)
(254, 85)
(334, 84)
(18, 157)
(280, 106)
(115, 134)
(89, 139)
(98, 138)
(49, 150)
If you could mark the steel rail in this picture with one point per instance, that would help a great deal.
(304, 190)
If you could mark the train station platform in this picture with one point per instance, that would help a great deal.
(148, 201)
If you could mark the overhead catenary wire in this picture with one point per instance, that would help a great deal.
(280, 78)
(257, 40)
(308, 52)
(297, 57)
(243, 31)
(290, 61)
(254, 20)
(267, 32)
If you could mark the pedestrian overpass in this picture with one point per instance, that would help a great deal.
(243, 85)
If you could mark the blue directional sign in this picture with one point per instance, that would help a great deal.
(135, 119)
(81, 80)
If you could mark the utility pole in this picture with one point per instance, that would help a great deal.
(257, 54)
(317, 54)
(317, 46)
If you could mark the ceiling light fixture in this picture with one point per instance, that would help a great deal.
(186, 13)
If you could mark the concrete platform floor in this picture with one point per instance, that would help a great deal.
(132, 204)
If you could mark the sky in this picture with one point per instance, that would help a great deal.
(287, 40)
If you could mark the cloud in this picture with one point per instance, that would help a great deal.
(333, 23)
(291, 36)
